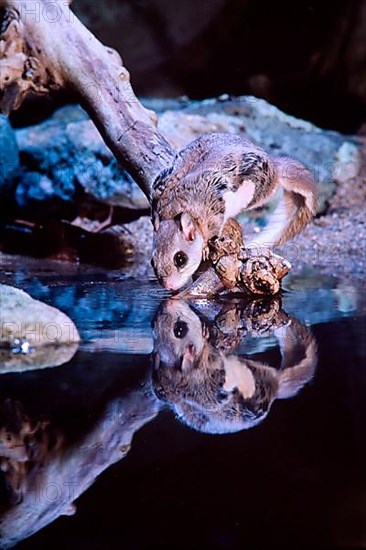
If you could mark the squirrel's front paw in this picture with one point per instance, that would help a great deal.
(206, 253)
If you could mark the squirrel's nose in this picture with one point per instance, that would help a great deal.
(171, 286)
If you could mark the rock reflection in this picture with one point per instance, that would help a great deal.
(209, 387)
(40, 357)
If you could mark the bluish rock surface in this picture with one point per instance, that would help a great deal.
(9, 155)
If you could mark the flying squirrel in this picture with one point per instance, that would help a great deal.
(214, 178)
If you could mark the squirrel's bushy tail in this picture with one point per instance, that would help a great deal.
(299, 358)
(297, 205)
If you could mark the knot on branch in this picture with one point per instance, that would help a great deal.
(243, 268)
(20, 71)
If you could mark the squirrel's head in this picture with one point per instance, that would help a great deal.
(178, 247)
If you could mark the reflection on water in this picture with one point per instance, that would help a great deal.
(209, 387)
(198, 368)
(50, 458)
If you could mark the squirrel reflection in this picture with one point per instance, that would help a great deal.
(210, 388)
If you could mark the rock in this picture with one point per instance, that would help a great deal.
(348, 164)
(36, 188)
(181, 127)
(68, 151)
(127, 247)
(33, 333)
(98, 172)
(132, 242)
(9, 155)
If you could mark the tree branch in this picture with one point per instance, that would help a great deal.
(44, 47)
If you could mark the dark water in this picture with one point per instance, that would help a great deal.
(229, 424)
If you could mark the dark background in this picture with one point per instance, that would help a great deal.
(308, 57)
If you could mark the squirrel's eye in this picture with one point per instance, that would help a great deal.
(180, 259)
(180, 329)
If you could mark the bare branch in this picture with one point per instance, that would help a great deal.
(44, 47)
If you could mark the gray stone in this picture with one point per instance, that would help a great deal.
(349, 162)
(33, 335)
(9, 155)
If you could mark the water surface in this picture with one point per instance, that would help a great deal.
(228, 424)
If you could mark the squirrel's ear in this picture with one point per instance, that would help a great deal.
(188, 227)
